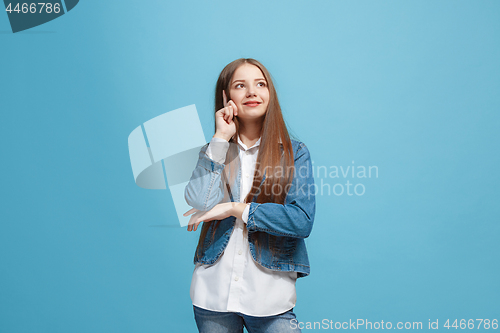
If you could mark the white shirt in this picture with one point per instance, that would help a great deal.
(235, 282)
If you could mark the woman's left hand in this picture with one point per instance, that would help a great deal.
(219, 212)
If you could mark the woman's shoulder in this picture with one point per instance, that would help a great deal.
(297, 144)
(300, 150)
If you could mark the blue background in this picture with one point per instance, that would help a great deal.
(411, 87)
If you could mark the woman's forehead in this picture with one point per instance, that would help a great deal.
(248, 71)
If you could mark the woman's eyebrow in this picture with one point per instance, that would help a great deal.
(244, 80)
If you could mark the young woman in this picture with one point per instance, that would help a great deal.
(253, 189)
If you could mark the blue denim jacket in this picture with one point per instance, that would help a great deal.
(290, 223)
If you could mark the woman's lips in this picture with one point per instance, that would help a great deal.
(252, 104)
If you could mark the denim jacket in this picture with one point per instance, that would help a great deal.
(290, 223)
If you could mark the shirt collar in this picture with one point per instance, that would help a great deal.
(255, 145)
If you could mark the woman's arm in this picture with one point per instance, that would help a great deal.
(295, 218)
(205, 188)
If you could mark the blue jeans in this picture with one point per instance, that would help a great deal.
(233, 322)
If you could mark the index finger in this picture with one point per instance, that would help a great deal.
(224, 98)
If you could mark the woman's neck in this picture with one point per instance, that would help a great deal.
(250, 133)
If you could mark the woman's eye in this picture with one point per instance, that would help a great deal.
(263, 84)
(238, 85)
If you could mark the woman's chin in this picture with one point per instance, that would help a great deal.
(251, 116)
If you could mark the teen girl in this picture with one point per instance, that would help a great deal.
(253, 189)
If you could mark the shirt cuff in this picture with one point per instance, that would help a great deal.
(244, 216)
(217, 150)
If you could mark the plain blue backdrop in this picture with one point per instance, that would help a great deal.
(411, 87)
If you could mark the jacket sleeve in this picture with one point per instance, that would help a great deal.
(295, 218)
(205, 188)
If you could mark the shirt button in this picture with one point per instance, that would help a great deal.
(240, 252)
(236, 278)
(247, 175)
(247, 152)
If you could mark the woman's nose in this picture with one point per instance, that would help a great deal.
(251, 92)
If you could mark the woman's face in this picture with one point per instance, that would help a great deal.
(248, 90)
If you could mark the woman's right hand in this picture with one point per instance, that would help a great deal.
(224, 122)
